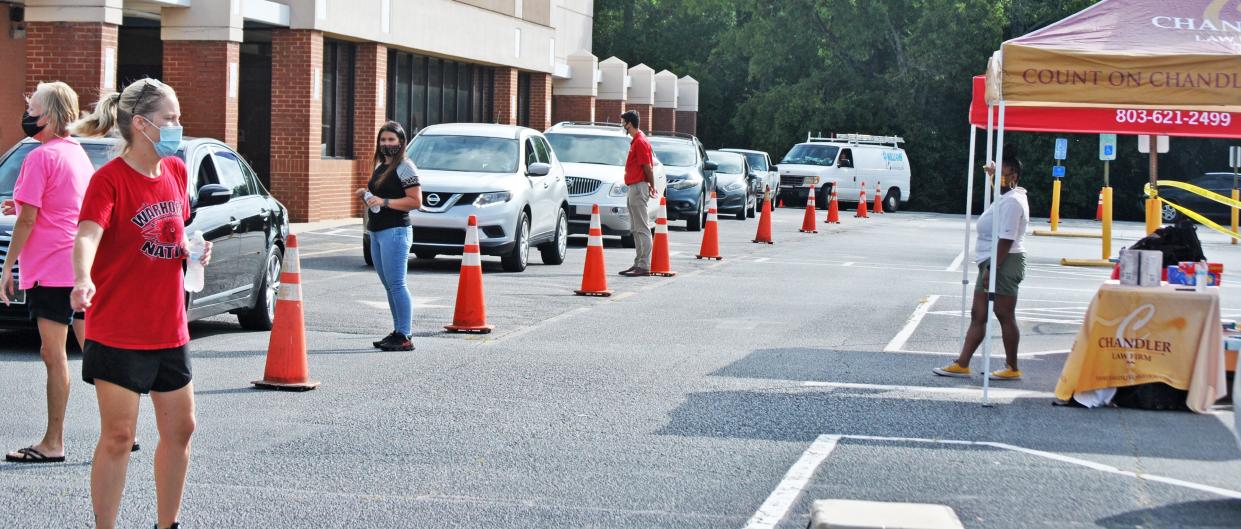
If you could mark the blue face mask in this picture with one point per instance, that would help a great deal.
(169, 140)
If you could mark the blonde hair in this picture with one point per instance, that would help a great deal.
(117, 110)
(59, 104)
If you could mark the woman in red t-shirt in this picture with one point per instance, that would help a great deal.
(131, 242)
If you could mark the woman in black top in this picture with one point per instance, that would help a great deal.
(391, 194)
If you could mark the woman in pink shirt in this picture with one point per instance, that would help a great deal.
(48, 197)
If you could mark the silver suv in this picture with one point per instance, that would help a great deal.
(594, 156)
(507, 176)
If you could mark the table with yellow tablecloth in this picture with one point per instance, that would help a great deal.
(1138, 335)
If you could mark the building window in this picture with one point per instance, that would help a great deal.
(523, 99)
(428, 91)
(338, 64)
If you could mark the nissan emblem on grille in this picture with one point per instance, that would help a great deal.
(433, 199)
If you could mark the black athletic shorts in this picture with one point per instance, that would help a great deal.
(138, 370)
(51, 303)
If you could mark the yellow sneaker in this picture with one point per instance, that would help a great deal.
(952, 370)
(1006, 374)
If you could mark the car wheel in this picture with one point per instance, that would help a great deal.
(517, 259)
(627, 241)
(892, 201)
(425, 254)
(1169, 214)
(366, 250)
(261, 316)
(695, 222)
(750, 213)
(741, 213)
(553, 252)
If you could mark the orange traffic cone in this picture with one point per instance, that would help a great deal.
(286, 348)
(594, 275)
(878, 210)
(833, 210)
(780, 204)
(470, 314)
(764, 222)
(1098, 210)
(807, 221)
(661, 261)
(710, 248)
(861, 204)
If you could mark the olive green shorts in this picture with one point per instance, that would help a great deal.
(1007, 277)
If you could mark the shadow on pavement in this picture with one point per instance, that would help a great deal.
(1215, 513)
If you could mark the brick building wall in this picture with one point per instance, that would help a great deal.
(311, 187)
(687, 122)
(504, 95)
(573, 108)
(664, 119)
(12, 84)
(609, 110)
(74, 52)
(203, 72)
(370, 94)
(540, 101)
(645, 114)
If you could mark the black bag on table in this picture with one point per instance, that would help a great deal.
(1178, 242)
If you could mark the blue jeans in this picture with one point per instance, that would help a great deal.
(390, 253)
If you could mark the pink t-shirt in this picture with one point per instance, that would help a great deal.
(53, 178)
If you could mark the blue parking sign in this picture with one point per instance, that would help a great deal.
(1107, 147)
(1057, 171)
(1062, 148)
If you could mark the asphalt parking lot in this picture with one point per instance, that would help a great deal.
(678, 402)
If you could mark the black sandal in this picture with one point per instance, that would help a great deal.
(30, 455)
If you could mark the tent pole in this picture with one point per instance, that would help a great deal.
(995, 244)
(969, 212)
(986, 189)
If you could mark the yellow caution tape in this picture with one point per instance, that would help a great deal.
(1204, 193)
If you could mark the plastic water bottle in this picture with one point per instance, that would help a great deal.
(194, 266)
(1200, 276)
(366, 198)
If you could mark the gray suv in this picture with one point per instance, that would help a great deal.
(507, 176)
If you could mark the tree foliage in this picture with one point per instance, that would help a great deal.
(770, 71)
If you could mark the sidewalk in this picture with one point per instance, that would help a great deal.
(303, 227)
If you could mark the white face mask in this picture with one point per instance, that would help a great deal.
(169, 139)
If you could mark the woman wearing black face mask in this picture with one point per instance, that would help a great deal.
(394, 192)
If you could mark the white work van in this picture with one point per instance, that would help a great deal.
(846, 162)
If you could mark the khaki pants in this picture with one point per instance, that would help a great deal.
(640, 224)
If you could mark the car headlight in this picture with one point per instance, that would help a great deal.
(684, 183)
(492, 199)
(812, 180)
(735, 186)
(618, 190)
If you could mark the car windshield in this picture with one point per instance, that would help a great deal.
(674, 153)
(584, 148)
(99, 154)
(757, 161)
(478, 154)
(728, 163)
(811, 155)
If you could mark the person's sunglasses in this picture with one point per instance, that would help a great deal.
(150, 85)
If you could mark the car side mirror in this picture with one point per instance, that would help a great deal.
(538, 169)
(710, 165)
(775, 168)
(212, 195)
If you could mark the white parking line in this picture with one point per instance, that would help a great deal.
(772, 511)
(777, 505)
(956, 263)
(899, 340)
(949, 390)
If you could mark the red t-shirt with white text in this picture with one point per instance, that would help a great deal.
(139, 298)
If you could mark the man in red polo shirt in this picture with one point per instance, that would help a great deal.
(640, 178)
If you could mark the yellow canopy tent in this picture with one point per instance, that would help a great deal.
(1150, 59)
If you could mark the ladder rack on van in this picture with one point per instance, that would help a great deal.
(857, 138)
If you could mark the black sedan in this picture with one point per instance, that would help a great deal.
(229, 205)
(1220, 183)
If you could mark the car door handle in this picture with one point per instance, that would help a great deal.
(234, 222)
